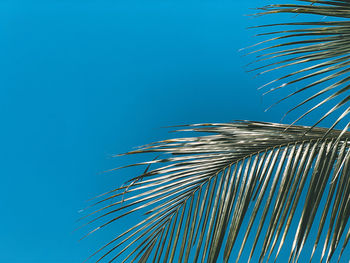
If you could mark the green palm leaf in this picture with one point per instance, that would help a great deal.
(194, 198)
(316, 52)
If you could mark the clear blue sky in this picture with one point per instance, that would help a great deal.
(83, 80)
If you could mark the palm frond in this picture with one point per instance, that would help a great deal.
(317, 54)
(195, 197)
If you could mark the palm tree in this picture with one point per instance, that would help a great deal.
(267, 180)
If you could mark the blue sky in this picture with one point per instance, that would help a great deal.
(83, 80)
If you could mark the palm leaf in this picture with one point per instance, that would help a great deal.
(194, 198)
(315, 54)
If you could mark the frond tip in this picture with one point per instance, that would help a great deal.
(250, 176)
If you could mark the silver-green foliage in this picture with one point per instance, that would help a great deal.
(252, 178)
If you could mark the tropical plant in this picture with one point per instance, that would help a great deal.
(265, 179)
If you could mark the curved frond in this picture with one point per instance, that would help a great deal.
(316, 54)
(195, 198)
